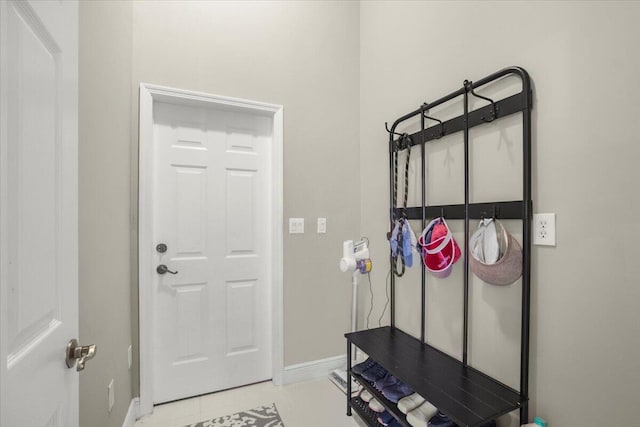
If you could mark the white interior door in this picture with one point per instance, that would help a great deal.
(211, 190)
(38, 212)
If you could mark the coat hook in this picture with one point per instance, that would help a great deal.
(468, 85)
(423, 108)
(397, 143)
(386, 126)
(406, 141)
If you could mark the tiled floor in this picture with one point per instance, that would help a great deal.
(315, 403)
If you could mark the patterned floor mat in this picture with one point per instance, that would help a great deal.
(262, 416)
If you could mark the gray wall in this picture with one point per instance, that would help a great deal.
(104, 182)
(303, 55)
(334, 65)
(585, 333)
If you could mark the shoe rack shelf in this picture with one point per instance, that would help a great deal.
(451, 387)
(367, 415)
(391, 407)
(468, 396)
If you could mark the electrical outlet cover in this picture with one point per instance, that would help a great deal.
(544, 229)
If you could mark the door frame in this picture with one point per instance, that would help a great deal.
(148, 94)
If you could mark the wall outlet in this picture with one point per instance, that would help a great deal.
(112, 395)
(130, 356)
(296, 225)
(322, 225)
(544, 229)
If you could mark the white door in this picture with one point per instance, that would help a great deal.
(38, 212)
(212, 318)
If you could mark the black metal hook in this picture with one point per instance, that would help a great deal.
(468, 85)
(386, 126)
(398, 143)
(405, 141)
(422, 109)
(483, 214)
(442, 213)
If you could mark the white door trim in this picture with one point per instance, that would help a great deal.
(148, 94)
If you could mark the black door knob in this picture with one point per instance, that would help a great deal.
(163, 269)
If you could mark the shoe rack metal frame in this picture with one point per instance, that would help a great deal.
(468, 396)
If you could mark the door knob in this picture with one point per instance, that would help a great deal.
(163, 269)
(79, 353)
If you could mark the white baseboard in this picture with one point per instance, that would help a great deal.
(313, 370)
(132, 413)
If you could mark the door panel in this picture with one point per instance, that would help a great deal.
(241, 212)
(38, 310)
(212, 322)
(33, 147)
(241, 301)
(191, 301)
(191, 190)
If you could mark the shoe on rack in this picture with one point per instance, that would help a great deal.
(386, 381)
(397, 391)
(361, 367)
(385, 418)
(376, 406)
(366, 396)
(422, 415)
(441, 420)
(409, 403)
(374, 373)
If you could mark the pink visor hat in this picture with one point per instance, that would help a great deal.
(441, 251)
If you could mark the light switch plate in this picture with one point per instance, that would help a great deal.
(296, 225)
(322, 225)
